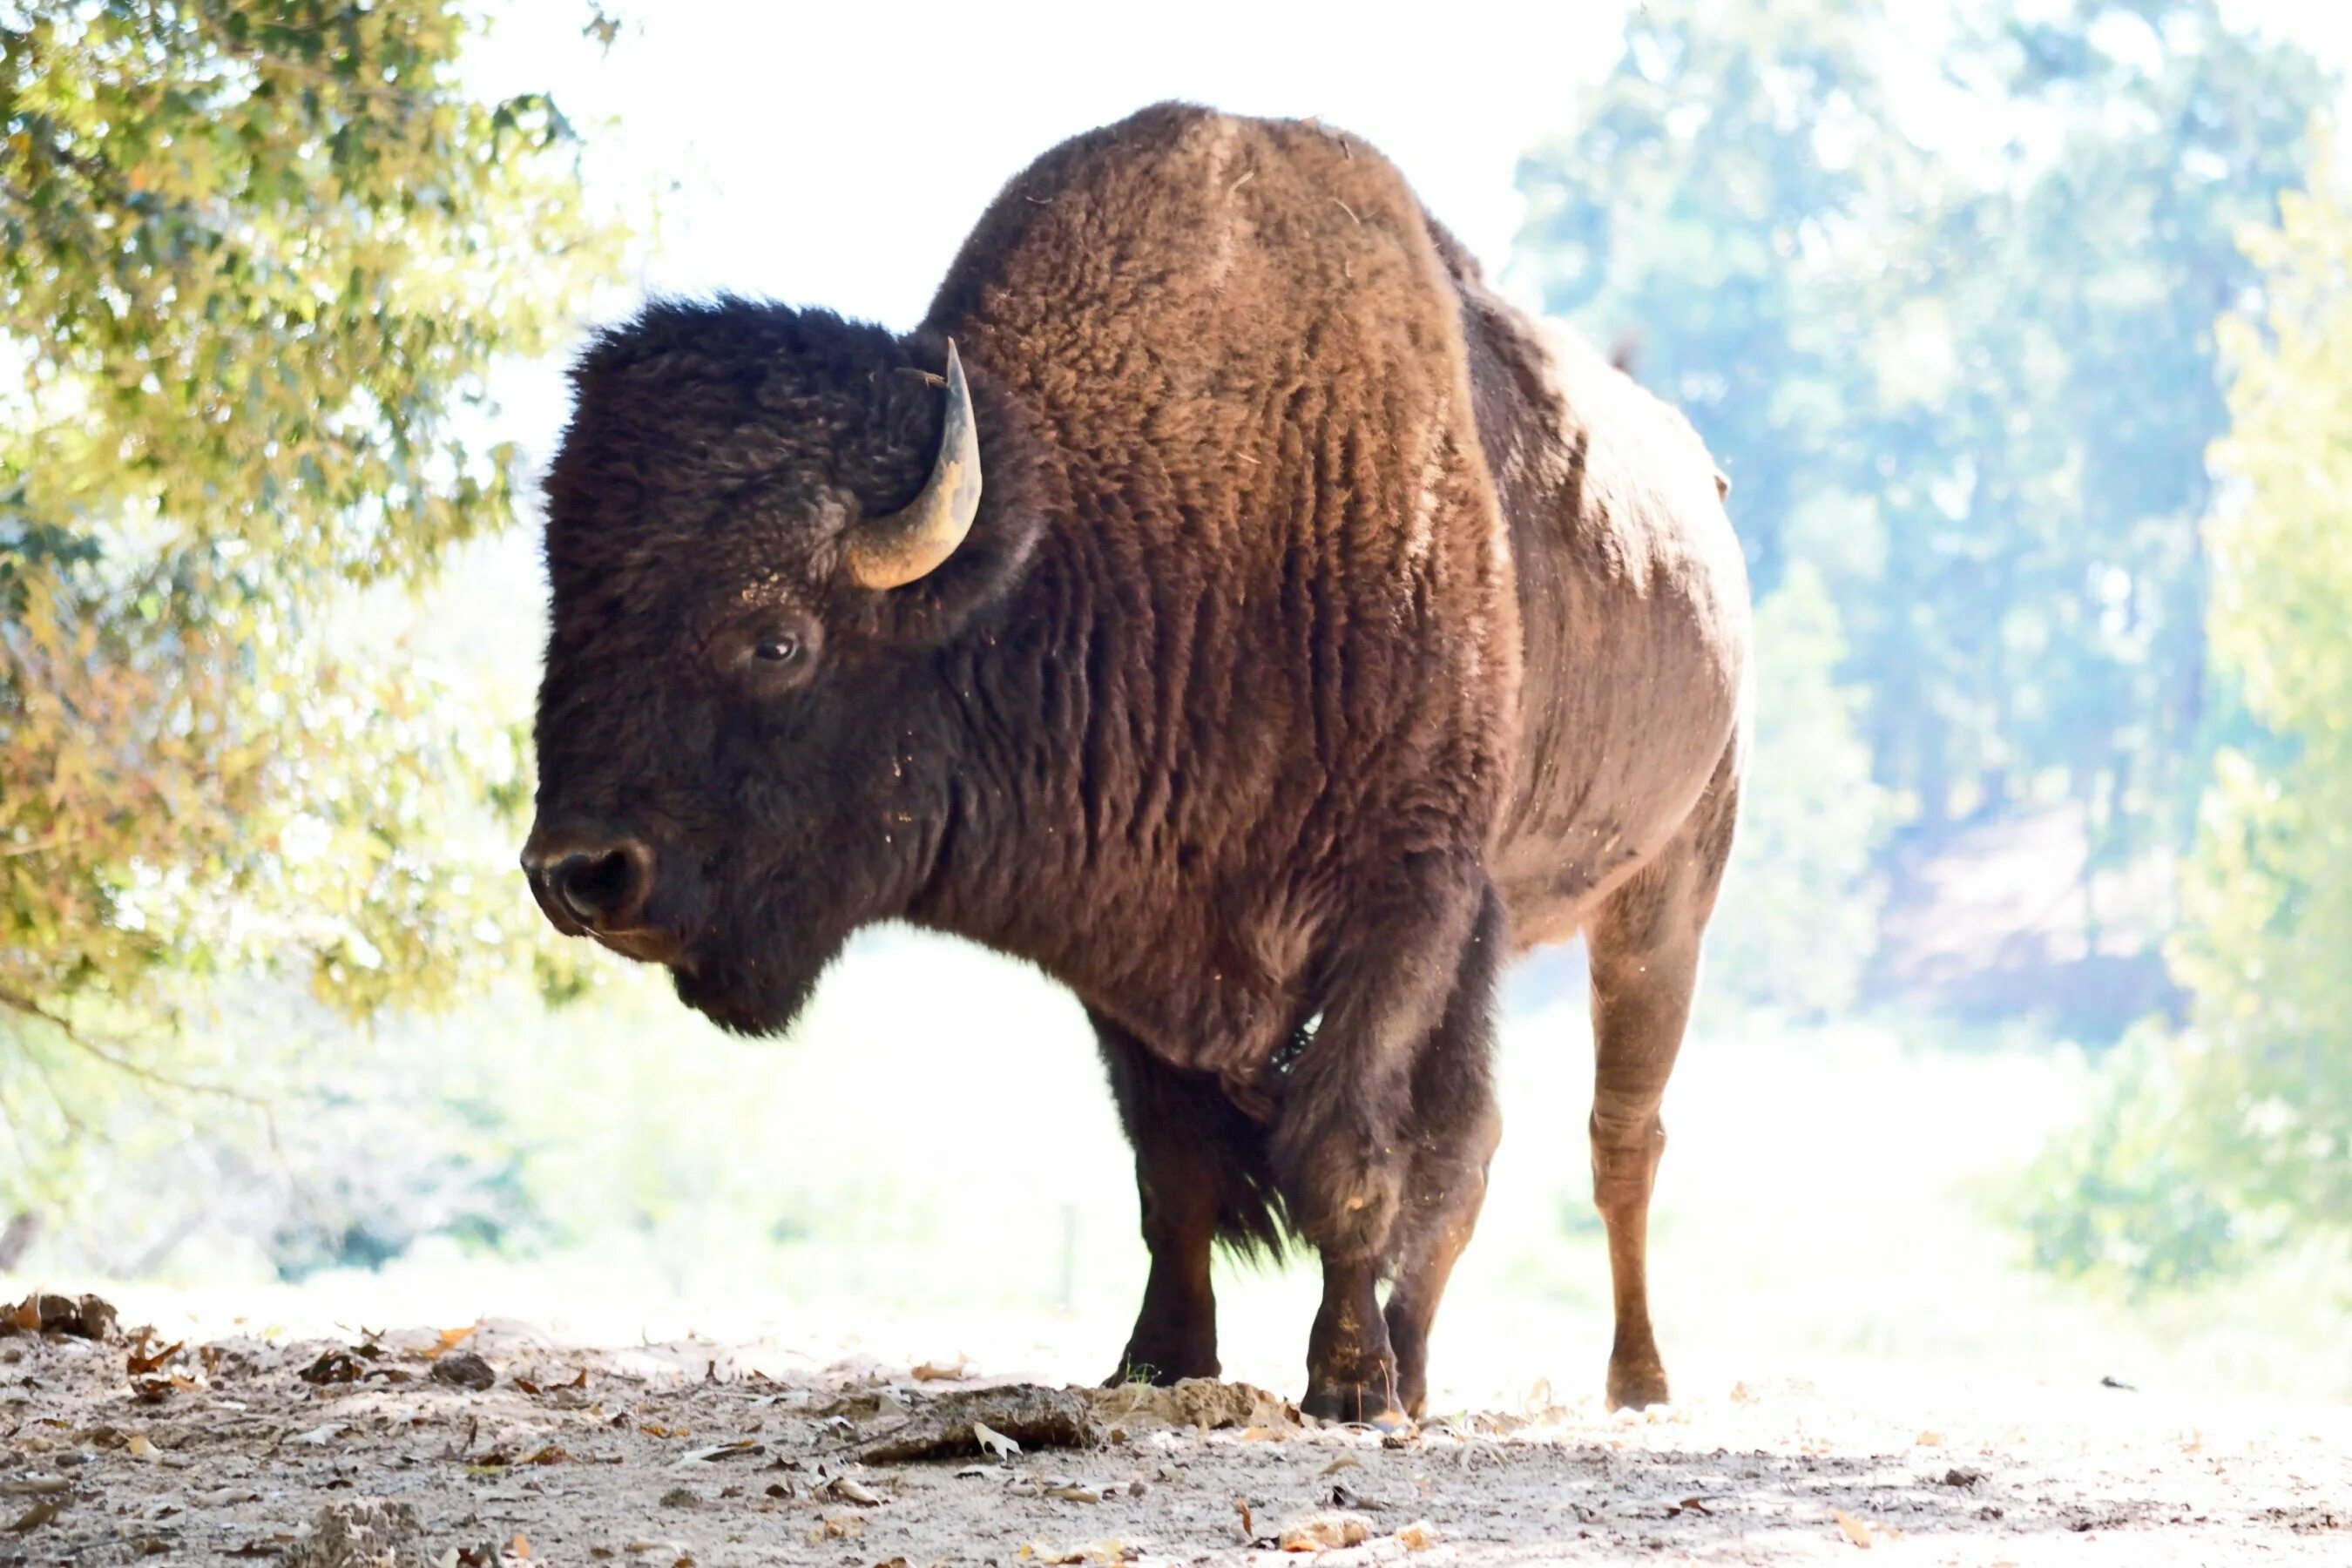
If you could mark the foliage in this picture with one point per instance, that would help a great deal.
(1971, 383)
(2270, 897)
(2117, 1201)
(1794, 931)
(259, 257)
(2249, 1112)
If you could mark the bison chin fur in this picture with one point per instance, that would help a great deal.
(756, 980)
(748, 999)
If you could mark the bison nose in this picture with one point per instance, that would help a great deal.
(602, 886)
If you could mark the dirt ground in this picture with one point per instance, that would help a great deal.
(491, 1443)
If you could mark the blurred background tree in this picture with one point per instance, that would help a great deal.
(256, 259)
(2270, 893)
(1971, 386)
(2247, 1115)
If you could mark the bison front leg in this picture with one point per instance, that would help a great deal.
(1200, 1172)
(1340, 1143)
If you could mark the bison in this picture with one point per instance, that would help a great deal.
(1225, 602)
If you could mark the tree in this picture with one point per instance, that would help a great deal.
(1972, 386)
(2270, 894)
(2238, 1130)
(259, 257)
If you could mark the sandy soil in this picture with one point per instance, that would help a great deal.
(491, 1443)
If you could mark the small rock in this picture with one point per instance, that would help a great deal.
(681, 1497)
(87, 1317)
(1957, 1477)
(464, 1369)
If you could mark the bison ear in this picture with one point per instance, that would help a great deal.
(917, 575)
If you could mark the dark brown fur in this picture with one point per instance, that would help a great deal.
(1323, 636)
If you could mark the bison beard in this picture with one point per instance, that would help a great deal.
(1273, 633)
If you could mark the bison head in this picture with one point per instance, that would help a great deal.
(764, 535)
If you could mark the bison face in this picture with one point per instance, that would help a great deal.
(756, 545)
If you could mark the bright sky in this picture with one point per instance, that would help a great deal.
(836, 152)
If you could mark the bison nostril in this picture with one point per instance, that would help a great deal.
(603, 888)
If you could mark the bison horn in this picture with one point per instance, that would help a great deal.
(912, 543)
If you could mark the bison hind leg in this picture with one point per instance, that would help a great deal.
(1645, 943)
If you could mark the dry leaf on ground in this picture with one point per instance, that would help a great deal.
(1417, 1536)
(1324, 1531)
(1861, 1533)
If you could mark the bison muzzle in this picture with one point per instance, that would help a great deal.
(1222, 601)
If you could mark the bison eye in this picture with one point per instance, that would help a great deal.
(782, 649)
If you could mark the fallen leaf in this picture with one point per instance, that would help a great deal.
(942, 1372)
(38, 1486)
(1105, 1552)
(1417, 1536)
(837, 1527)
(848, 1490)
(521, 1547)
(1344, 1462)
(1324, 1533)
(1864, 1535)
(1929, 1439)
(332, 1366)
(141, 1365)
(139, 1447)
(450, 1339)
(1074, 1493)
(319, 1437)
(39, 1514)
(740, 1447)
(993, 1441)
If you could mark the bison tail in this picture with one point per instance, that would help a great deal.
(1252, 1223)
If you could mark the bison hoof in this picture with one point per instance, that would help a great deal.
(1368, 1403)
(1637, 1387)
